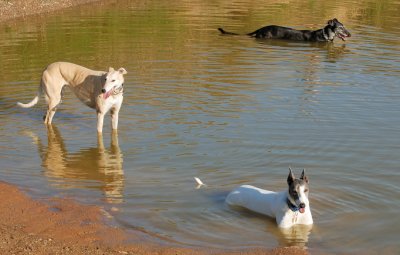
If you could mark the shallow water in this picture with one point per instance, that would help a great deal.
(231, 110)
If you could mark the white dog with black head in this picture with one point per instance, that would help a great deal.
(289, 207)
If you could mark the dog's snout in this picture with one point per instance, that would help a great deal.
(302, 205)
(103, 91)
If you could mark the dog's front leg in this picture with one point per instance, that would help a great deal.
(115, 114)
(114, 118)
(100, 120)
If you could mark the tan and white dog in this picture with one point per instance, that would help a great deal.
(99, 90)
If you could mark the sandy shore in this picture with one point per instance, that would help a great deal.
(11, 9)
(62, 226)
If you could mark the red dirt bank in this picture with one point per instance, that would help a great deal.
(61, 226)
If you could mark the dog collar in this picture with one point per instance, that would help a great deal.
(119, 90)
(325, 36)
(291, 206)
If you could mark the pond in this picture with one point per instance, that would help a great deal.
(231, 110)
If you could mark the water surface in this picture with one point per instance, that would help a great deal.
(231, 110)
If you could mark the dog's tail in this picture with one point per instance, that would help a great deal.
(226, 32)
(34, 101)
(199, 183)
(30, 104)
(253, 34)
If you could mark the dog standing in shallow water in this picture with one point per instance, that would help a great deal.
(289, 207)
(333, 29)
(100, 90)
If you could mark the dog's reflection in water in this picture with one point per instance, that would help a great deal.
(93, 167)
(295, 236)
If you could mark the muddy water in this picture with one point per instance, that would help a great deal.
(231, 110)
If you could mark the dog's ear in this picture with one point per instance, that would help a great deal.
(110, 69)
(303, 176)
(122, 71)
(290, 178)
(331, 22)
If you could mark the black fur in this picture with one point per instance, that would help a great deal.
(225, 32)
(328, 33)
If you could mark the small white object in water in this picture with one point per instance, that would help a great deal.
(199, 183)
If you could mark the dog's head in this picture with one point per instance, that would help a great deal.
(113, 80)
(337, 29)
(298, 191)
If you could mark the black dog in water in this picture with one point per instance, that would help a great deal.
(328, 33)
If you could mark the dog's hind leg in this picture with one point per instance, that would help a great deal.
(51, 109)
(53, 98)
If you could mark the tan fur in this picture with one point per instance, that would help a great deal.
(87, 85)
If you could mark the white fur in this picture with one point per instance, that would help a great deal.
(34, 101)
(270, 203)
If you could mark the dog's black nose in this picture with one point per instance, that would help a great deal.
(103, 91)
(302, 205)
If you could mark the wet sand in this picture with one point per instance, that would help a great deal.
(62, 226)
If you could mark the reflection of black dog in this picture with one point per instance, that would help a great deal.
(328, 33)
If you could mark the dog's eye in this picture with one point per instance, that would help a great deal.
(306, 190)
(113, 81)
(105, 78)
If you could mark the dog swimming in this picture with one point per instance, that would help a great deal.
(289, 207)
(333, 28)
